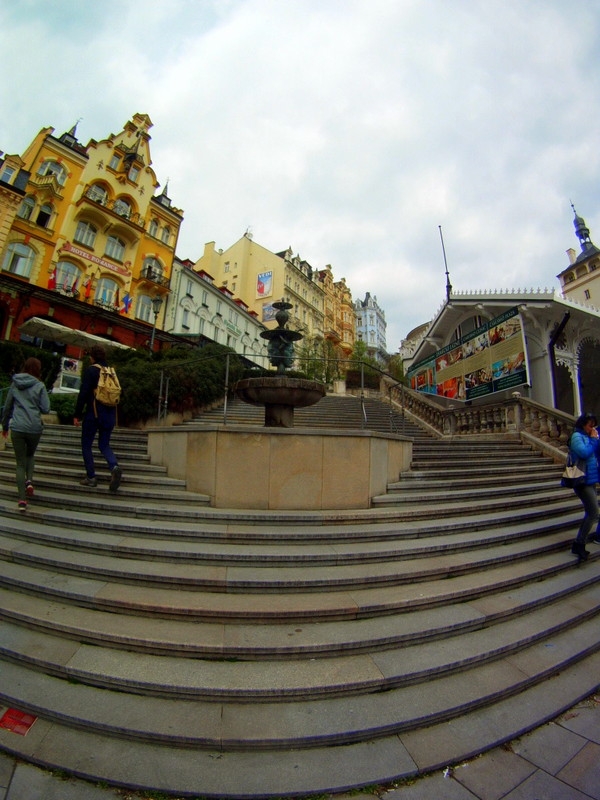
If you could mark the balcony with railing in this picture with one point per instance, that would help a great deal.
(156, 278)
(115, 206)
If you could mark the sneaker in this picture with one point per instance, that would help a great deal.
(115, 478)
(22, 506)
(29, 488)
(89, 482)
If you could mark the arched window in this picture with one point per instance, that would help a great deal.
(26, 208)
(18, 259)
(67, 276)
(143, 308)
(122, 207)
(97, 194)
(54, 168)
(85, 233)
(152, 269)
(166, 234)
(115, 248)
(106, 292)
(153, 229)
(44, 215)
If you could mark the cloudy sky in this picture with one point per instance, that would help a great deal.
(350, 130)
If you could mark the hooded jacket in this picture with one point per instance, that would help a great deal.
(27, 399)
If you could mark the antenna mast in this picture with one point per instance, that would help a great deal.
(448, 284)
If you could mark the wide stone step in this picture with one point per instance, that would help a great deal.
(487, 503)
(103, 511)
(414, 481)
(147, 499)
(408, 493)
(215, 545)
(281, 599)
(283, 724)
(61, 477)
(36, 626)
(483, 470)
(151, 766)
(426, 560)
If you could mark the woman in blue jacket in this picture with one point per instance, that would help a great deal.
(26, 401)
(585, 445)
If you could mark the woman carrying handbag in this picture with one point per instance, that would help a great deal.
(584, 445)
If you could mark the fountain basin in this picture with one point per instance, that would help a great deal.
(279, 395)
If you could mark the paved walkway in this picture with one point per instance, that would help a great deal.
(559, 761)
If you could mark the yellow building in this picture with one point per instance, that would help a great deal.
(261, 277)
(90, 234)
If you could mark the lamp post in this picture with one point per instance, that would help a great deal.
(156, 306)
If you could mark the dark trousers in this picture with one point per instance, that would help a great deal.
(24, 447)
(589, 497)
(102, 425)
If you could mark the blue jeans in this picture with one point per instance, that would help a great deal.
(589, 497)
(102, 425)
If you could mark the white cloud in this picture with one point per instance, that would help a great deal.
(348, 129)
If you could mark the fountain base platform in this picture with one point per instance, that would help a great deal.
(308, 469)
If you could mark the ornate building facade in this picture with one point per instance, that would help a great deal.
(371, 327)
(91, 243)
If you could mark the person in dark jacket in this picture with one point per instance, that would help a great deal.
(584, 444)
(26, 401)
(96, 418)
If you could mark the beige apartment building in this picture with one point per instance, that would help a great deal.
(260, 277)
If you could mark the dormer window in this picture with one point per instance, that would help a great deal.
(6, 174)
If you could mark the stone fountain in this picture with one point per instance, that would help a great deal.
(278, 467)
(280, 394)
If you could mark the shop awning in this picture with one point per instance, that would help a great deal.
(53, 332)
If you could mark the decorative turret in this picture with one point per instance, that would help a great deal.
(582, 232)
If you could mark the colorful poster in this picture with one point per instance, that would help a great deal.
(268, 312)
(489, 359)
(264, 284)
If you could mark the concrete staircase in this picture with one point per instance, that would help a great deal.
(170, 646)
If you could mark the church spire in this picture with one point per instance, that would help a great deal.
(583, 234)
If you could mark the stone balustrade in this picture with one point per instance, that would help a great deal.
(547, 429)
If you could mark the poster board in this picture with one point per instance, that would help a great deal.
(490, 359)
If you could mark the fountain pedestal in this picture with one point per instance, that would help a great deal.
(279, 395)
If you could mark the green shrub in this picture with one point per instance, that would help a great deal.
(64, 405)
(14, 354)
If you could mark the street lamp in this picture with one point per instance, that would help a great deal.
(156, 306)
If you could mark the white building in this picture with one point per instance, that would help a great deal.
(200, 311)
(371, 326)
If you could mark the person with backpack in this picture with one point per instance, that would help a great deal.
(96, 412)
(26, 401)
